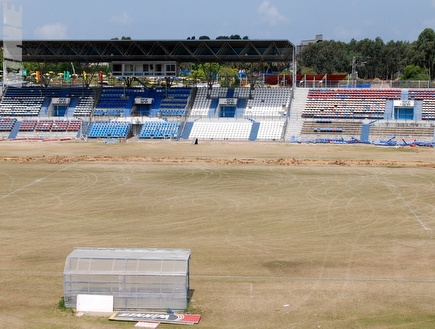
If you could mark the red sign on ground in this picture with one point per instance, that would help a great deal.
(156, 317)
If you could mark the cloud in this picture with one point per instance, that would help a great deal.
(122, 19)
(270, 14)
(52, 31)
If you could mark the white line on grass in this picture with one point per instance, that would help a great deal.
(400, 196)
(38, 180)
(415, 215)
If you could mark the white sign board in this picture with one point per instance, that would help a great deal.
(407, 103)
(94, 303)
(143, 100)
(228, 101)
(60, 101)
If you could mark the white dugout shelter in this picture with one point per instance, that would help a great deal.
(152, 279)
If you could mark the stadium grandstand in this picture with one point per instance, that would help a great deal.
(287, 108)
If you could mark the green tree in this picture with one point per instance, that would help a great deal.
(228, 76)
(394, 58)
(369, 58)
(307, 70)
(325, 57)
(413, 72)
(424, 51)
(368, 54)
(196, 74)
(211, 71)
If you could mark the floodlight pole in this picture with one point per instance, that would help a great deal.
(12, 42)
(354, 74)
(294, 70)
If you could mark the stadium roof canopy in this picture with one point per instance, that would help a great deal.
(95, 51)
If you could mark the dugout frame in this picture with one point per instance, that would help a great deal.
(138, 279)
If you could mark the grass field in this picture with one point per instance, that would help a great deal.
(282, 235)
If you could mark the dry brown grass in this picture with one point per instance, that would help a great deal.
(282, 236)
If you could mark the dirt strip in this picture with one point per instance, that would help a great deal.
(219, 161)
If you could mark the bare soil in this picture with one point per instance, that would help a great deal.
(282, 235)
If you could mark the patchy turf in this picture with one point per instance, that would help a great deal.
(282, 236)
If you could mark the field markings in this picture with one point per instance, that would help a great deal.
(40, 179)
(399, 195)
(426, 228)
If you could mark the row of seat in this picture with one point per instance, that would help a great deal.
(341, 127)
(174, 103)
(44, 125)
(347, 103)
(264, 112)
(271, 130)
(172, 112)
(109, 129)
(84, 106)
(221, 130)
(404, 132)
(108, 112)
(201, 105)
(331, 115)
(49, 125)
(428, 108)
(114, 98)
(6, 124)
(159, 129)
(18, 112)
(365, 103)
(264, 102)
(344, 93)
(28, 103)
(112, 103)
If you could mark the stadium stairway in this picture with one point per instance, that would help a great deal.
(240, 109)
(295, 120)
(15, 129)
(156, 106)
(45, 106)
(418, 109)
(254, 131)
(129, 106)
(186, 130)
(213, 108)
(71, 107)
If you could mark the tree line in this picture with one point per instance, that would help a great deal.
(221, 37)
(372, 58)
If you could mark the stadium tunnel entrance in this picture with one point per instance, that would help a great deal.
(227, 111)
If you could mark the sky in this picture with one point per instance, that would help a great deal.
(339, 20)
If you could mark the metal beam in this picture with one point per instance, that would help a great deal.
(146, 50)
